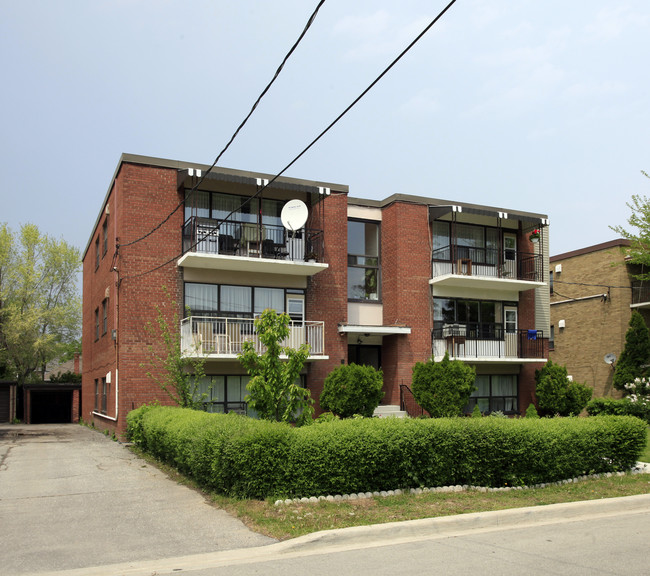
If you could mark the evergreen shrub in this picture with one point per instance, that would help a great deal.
(352, 389)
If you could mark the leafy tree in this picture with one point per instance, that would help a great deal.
(272, 389)
(352, 389)
(66, 377)
(635, 358)
(178, 375)
(556, 394)
(443, 388)
(40, 305)
(639, 249)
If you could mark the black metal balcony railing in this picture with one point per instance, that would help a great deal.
(640, 293)
(487, 340)
(208, 236)
(465, 260)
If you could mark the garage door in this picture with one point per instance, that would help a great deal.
(51, 406)
(5, 395)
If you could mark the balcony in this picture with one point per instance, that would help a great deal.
(488, 343)
(640, 295)
(223, 338)
(250, 247)
(486, 269)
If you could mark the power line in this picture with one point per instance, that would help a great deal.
(315, 140)
(232, 138)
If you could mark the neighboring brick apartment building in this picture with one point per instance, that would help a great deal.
(592, 296)
(386, 283)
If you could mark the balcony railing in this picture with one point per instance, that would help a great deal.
(640, 293)
(249, 239)
(487, 262)
(209, 336)
(487, 340)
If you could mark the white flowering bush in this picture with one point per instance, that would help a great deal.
(638, 392)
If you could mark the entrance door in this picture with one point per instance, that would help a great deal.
(509, 256)
(510, 321)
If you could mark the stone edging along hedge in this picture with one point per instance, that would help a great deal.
(641, 468)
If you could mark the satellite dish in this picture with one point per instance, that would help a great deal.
(294, 215)
(610, 358)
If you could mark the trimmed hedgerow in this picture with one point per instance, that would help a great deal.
(622, 407)
(248, 458)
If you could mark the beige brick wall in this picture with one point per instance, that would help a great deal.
(595, 325)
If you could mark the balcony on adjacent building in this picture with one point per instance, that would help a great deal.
(640, 295)
(486, 268)
(223, 338)
(251, 247)
(488, 342)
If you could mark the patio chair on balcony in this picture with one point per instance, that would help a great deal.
(227, 244)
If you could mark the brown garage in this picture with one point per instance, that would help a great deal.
(52, 403)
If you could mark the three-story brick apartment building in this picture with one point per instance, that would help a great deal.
(386, 283)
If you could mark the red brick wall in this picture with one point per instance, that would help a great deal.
(406, 271)
(141, 198)
(327, 292)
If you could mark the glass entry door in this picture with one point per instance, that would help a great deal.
(509, 256)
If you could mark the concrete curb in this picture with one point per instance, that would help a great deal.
(376, 535)
(445, 526)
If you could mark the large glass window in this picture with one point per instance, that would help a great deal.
(483, 319)
(494, 393)
(363, 260)
(240, 301)
(478, 243)
(223, 394)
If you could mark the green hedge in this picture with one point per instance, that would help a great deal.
(247, 458)
(622, 407)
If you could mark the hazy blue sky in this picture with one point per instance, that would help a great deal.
(528, 105)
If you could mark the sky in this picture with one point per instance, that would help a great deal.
(527, 105)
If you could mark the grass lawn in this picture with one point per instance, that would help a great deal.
(284, 522)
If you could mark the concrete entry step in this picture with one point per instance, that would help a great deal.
(389, 411)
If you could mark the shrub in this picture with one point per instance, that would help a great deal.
(247, 458)
(531, 411)
(352, 389)
(635, 357)
(476, 413)
(443, 388)
(556, 394)
(622, 407)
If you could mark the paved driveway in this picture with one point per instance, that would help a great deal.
(71, 498)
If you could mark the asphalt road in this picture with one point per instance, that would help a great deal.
(72, 498)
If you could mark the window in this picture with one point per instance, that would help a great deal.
(480, 244)
(96, 394)
(494, 393)
(105, 236)
(97, 253)
(223, 394)
(550, 281)
(104, 395)
(482, 319)
(363, 260)
(241, 301)
(104, 316)
(96, 323)
(551, 340)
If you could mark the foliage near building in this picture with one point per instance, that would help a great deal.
(177, 374)
(443, 388)
(634, 361)
(556, 394)
(40, 306)
(273, 390)
(352, 389)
